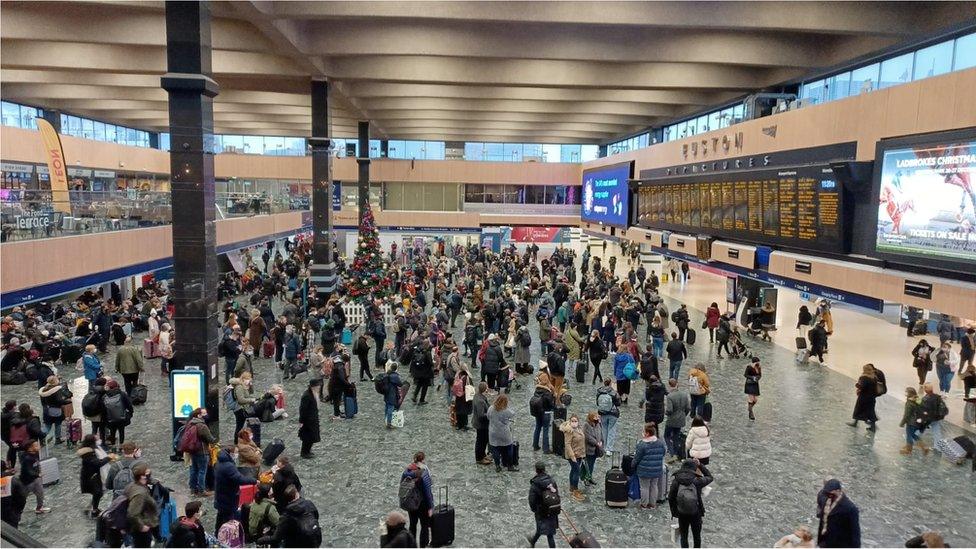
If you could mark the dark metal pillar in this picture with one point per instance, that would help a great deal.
(363, 160)
(191, 92)
(54, 117)
(323, 269)
(385, 148)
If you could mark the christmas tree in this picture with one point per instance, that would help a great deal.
(367, 276)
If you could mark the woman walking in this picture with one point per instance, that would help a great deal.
(597, 351)
(575, 452)
(922, 360)
(753, 374)
(867, 394)
(500, 438)
(712, 315)
(911, 420)
(946, 364)
(699, 441)
(90, 477)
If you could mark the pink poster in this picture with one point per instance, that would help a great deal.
(535, 234)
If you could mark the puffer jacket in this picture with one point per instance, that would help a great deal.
(494, 358)
(699, 442)
(620, 361)
(575, 441)
(654, 397)
(574, 343)
(649, 458)
(248, 454)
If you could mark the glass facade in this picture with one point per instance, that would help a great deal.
(86, 128)
(19, 116)
(522, 194)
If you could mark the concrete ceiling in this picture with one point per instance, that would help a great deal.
(549, 72)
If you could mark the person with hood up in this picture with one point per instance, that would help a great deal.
(308, 418)
(493, 361)
(227, 486)
(685, 499)
(546, 522)
(840, 519)
(654, 396)
(298, 525)
(397, 534)
(418, 471)
(90, 478)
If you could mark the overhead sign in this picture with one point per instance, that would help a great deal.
(188, 392)
(606, 194)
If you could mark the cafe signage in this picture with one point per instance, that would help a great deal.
(33, 220)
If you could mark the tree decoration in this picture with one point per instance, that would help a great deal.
(367, 276)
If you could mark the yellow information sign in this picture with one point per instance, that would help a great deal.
(188, 393)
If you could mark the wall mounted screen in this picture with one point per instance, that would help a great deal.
(606, 195)
(927, 201)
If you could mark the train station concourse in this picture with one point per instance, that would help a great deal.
(488, 274)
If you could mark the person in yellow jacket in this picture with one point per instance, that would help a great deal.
(575, 452)
(699, 387)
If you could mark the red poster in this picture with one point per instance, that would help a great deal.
(535, 234)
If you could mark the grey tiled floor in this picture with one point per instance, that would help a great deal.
(767, 472)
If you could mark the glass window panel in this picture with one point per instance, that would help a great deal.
(838, 86)
(414, 149)
(27, 117)
(394, 196)
(233, 143)
(376, 194)
(452, 196)
(739, 113)
(668, 133)
(512, 152)
(110, 133)
(64, 122)
(433, 197)
(933, 60)
(535, 194)
(864, 79)
(131, 136)
(164, 141)
(531, 150)
(702, 124)
(474, 193)
(589, 152)
(896, 71)
(11, 114)
(965, 56)
(556, 194)
(494, 194)
(713, 120)
(374, 148)
(396, 148)
(474, 151)
(413, 197)
(494, 152)
(569, 153)
(435, 150)
(99, 131)
(294, 146)
(682, 129)
(551, 153)
(253, 144)
(274, 146)
(514, 194)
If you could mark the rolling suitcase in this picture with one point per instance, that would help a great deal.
(662, 486)
(691, 336)
(442, 522)
(268, 348)
(558, 437)
(616, 487)
(272, 452)
(581, 367)
(802, 357)
(149, 349)
(75, 432)
(514, 460)
(951, 451)
(581, 538)
(707, 412)
(50, 471)
(140, 393)
(352, 407)
(801, 343)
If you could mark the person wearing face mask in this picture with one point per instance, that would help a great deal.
(142, 512)
(946, 364)
(575, 452)
(245, 400)
(90, 479)
(227, 486)
(840, 519)
(131, 453)
(199, 451)
(245, 362)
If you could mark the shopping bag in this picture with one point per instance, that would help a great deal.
(398, 418)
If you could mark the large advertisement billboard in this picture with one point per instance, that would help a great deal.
(927, 202)
(606, 195)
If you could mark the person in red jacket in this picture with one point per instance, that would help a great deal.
(712, 315)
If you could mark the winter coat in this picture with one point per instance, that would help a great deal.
(419, 471)
(687, 475)
(649, 458)
(128, 360)
(393, 384)
(500, 427)
(480, 411)
(843, 525)
(308, 417)
(522, 353)
(654, 396)
(712, 317)
(241, 393)
(677, 406)
(620, 362)
(574, 343)
(575, 441)
(93, 366)
(248, 454)
(255, 333)
(143, 510)
(698, 443)
(704, 383)
(867, 393)
(90, 477)
(422, 371)
(494, 358)
(537, 486)
(126, 405)
(288, 533)
(52, 400)
(284, 478)
(398, 536)
(676, 350)
(614, 411)
(724, 331)
(227, 483)
(556, 363)
(593, 434)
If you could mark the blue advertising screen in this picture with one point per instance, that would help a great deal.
(606, 196)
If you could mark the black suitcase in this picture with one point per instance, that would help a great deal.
(140, 393)
(558, 437)
(581, 538)
(691, 336)
(254, 424)
(581, 368)
(71, 353)
(616, 487)
(515, 454)
(442, 522)
(707, 412)
(801, 343)
(272, 452)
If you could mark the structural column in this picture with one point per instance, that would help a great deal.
(363, 160)
(191, 91)
(323, 268)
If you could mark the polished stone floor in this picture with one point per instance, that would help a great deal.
(767, 472)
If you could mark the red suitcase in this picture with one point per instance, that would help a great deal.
(268, 348)
(150, 349)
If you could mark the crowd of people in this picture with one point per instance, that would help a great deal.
(456, 321)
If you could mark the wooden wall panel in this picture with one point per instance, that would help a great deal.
(747, 254)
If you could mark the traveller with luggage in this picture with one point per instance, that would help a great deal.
(575, 453)
(544, 501)
(417, 497)
(685, 499)
(649, 465)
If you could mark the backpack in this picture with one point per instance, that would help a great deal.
(525, 340)
(189, 440)
(90, 405)
(687, 499)
(230, 401)
(381, 383)
(116, 516)
(417, 362)
(121, 480)
(604, 403)
(674, 317)
(308, 530)
(410, 496)
(630, 371)
(220, 348)
(551, 504)
(115, 411)
(536, 406)
(231, 534)
(18, 435)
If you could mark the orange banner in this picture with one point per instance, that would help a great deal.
(56, 166)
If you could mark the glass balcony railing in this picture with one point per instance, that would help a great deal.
(35, 214)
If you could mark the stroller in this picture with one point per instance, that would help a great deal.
(736, 346)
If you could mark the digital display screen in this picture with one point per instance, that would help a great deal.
(797, 207)
(606, 195)
(927, 202)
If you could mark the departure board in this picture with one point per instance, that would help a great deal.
(797, 207)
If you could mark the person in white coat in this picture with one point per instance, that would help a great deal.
(699, 442)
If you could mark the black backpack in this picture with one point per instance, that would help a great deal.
(550, 504)
(91, 405)
(115, 411)
(380, 383)
(536, 406)
(309, 530)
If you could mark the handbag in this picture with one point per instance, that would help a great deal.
(398, 419)
(704, 324)
(468, 393)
